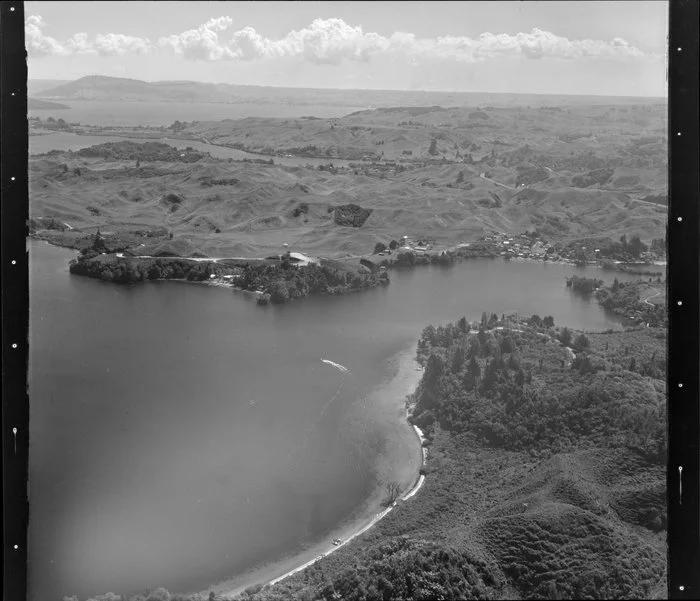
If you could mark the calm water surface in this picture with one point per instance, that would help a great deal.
(180, 433)
(165, 113)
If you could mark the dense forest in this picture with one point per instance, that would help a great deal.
(519, 389)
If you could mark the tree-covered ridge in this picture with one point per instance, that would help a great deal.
(523, 388)
(277, 281)
(409, 569)
(583, 285)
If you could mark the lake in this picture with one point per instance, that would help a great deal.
(156, 114)
(180, 434)
(40, 144)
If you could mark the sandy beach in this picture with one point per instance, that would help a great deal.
(406, 455)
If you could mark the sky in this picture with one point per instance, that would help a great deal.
(566, 47)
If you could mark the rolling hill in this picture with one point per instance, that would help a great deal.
(231, 206)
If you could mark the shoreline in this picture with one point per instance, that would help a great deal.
(372, 510)
(616, 266)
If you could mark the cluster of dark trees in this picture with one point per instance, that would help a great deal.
(410, 258)
(52, 123)
(484, 383)
(583, 285)
(285, 282)
(208, 181)
(626, 249)
(142, 151)
(351, 215)
(132, 271)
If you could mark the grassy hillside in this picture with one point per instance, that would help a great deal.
(446, 174)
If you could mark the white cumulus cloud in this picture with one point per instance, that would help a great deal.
(117, 43)
(331, 41)
(36, 42)
(201, 43)
(107, 44)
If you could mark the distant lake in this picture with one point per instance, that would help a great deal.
(156, 114)
(40, 144)
(180, 434)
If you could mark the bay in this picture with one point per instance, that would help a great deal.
(180, 434)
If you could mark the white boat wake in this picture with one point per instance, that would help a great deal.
(336, 365)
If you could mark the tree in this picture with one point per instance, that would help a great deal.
(548, 321)
(581, 342)
(460, 177)
(535, 320)
(473, 369)
(636, 246)
(392, 489)
(507, 345)
(463, 325)
(633, 364)
(490, 375)
(379, 247)
(279, 293)
(458, 360)
(393, 244)
(433, 147)
(565, 336)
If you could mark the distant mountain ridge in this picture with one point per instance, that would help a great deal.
(104, 88)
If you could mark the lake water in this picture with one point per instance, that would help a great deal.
(156, 114)
(180, 433)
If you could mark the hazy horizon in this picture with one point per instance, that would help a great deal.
(577, 48)
(61, 81)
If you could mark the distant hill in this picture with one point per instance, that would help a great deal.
(35, 86)
(35, 104)
(100, 87)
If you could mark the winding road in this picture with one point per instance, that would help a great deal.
(646, 300)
